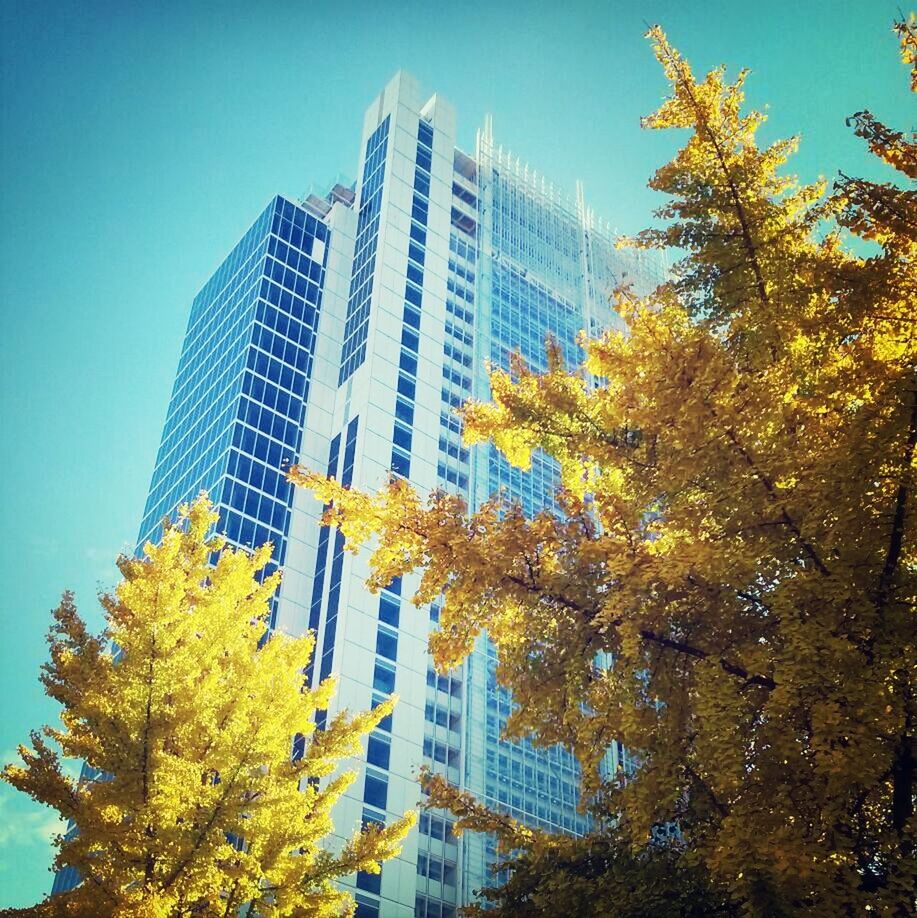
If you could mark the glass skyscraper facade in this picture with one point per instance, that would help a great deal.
(341, 333)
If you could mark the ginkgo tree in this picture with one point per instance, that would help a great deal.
(736, 534)
(190, 720)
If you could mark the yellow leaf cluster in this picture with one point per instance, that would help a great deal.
(736, 531)
(186, 715)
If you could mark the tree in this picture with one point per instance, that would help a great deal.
(189, 716)
(737, 531)
(600, 874)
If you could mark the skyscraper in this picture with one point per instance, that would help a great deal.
(341, 333)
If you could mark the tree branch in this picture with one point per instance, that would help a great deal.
(772, 493)
(896, 540)
(652, 637)
(739, 206)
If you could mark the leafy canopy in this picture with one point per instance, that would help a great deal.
(737, 534)
(198, 806)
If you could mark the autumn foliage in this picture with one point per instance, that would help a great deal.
(187, 718)
(737, 535)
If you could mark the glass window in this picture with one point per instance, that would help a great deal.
(384, 677)
(409, 339)
(404, 411)
(378, 752)
(422, 183)
(415, 274)
(419, 211)
(375, 791)
(387, 644)
(371, 882)
(408, 363)
(406, 386)
(388, 611)
(413, 294)
(401, 463)
(418, 234)
(402, 436)
(386, 722)
(411, 316)
(416, 253)
(372, 819)
(366, 908)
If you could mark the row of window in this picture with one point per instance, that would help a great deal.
(452, 476)
(459, 333)
(213, 331)
(460, 290)
(436, 827)
(311, 268)
(441, 716)
(306, 287)
(378, 746)
(451, 685)
(457, 354)
(463, 315)
(258, 446)
(451, 422)
(463, 222)
(251, 242)
(269, 422)
(463, 248)
(277, 371)
(557, 812)
(436, 868)
(455, 378)
(247, 532)
(257, 474)
(254, 504)
(426, 907)
(321, 559)
(453, 450)
(203, 389)
(464, 195)
(413, 300)
(301, 308)
(441, 752)
(299, 331)
(297, 236)
(192, 469)
(337, 558)
(356, 324)
(272, 397)
(456, 347)
(375, 791)
(536, 232)
(453, 399)
(279, 346)
(216, 326)
(229, 288)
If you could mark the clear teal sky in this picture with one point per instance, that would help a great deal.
(139, 140)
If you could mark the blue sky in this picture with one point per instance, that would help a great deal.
(139, 140)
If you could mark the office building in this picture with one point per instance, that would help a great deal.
(341, 333)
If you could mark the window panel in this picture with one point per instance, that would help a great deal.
(384, 677)
(375, 791)
(378, 752)
(386, 644)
